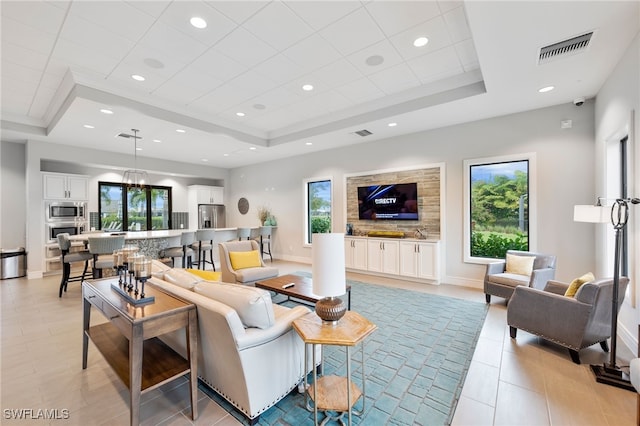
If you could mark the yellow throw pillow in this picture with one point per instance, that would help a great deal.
(207, 275)
(520, 265)
(244, 259)
(575, 284)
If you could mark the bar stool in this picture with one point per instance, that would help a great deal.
(67, 258)
(99, 247)
(184, 251)
(244, 234)
(265, 239)
(204, 244)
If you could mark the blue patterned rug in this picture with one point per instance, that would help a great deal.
(415, 362)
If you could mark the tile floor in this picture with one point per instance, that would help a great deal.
(521, 382)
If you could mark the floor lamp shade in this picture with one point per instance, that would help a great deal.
(591, 214)
(328, 275)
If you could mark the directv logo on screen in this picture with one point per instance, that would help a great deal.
(388, 202)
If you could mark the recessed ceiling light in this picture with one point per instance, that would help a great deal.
(546, 89)
(420, 42)
(138, 148)
(181, 131)
(106, 111)
(240, 114)
(307, 87)
(88, 126)
(205, 160)
(309, 143)
(137, 77)
(157, 140)
(253, 148)
(198, 22)
(392, 124)
(225, 155)
(374, 60)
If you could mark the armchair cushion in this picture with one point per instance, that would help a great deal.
(253, 305)
(244, 259)
(577, 283)
(519, 265)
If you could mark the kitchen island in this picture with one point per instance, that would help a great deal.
(152, 242)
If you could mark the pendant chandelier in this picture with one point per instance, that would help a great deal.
(134, 178)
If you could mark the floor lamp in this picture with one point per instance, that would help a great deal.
(609, 373)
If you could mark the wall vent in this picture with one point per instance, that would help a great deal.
(363, 132)
(564, 48)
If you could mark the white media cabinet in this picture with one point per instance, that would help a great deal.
(402, 258)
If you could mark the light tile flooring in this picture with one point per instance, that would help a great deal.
(510, 382)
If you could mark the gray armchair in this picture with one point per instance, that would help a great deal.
(499, 283)
(573, 322)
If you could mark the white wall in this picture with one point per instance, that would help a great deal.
(13, 189)
(565, 161)
(616, 100)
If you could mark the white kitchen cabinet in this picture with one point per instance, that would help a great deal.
(203, 194)
(59, 186)
(420, 259)
(355, 250)
(383, 256)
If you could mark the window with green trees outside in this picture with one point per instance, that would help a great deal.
(318, 207)
(499, 208)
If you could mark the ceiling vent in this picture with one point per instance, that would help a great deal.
(363, 132)
(564, 48)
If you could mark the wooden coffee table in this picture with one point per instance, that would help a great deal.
(302, 288)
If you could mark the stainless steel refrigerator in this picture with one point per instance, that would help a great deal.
(211, 216)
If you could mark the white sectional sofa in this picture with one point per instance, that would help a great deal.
(248, 352)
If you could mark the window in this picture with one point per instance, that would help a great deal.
(317, 207)
(498, 207)
(132, 208)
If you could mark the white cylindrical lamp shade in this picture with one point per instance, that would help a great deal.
(328, 270)
(591, 214)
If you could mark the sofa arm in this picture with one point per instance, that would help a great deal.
(539, 277)
(255, 336)
(495, 267)
(556, 287)
(550, 315)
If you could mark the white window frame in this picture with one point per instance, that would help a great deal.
(531, 158)
(305, 206)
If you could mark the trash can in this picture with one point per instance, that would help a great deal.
(13, 263)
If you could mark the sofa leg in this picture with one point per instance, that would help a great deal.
(512, 332)
(604, 345)
(487, 298)
(575, 356)
(254, 421)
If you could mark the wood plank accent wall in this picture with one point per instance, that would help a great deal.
(428, 181)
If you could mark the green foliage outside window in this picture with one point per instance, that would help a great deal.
(320, 224)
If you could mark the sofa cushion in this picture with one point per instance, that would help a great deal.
(182, 278)
(253, 305)
(205, 275)
(577, 283)
(520, 265)
(158, 268)
(244, 259)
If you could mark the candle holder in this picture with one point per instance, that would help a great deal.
(128, 262)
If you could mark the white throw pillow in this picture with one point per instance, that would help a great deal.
(253, 305)
(182, 278)
(520, 265)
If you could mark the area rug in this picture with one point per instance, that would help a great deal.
(415, 362)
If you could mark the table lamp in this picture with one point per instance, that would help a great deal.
(328, 275)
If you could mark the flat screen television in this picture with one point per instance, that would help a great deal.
(398, 201)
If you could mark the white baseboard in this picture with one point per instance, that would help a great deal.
(463, 282)
(33, 275)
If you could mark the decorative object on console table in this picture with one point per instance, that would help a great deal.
(609, 373)
(141, 271)
(329, 276)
